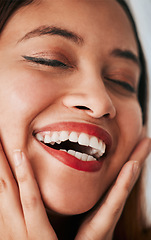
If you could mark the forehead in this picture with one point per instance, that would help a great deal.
(102, 19)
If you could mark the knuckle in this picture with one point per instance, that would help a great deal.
(22, 178)
(6, 183)
(30, 202)
(3, 185)
(116, 211)
(127, 189)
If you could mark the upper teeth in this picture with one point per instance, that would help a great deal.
(97, 145)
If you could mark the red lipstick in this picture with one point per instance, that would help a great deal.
(66, 158)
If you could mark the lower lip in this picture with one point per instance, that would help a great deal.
(73, 162)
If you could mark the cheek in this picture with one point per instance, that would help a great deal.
(127, 133)
(25, 95)
(130, 122)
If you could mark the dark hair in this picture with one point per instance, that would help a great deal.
(143, 82)
(8, 7)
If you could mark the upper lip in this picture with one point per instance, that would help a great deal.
(87, 128)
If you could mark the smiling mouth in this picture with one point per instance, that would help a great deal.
(80, 145)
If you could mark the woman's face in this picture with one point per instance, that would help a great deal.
(70, 66)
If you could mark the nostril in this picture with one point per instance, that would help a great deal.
(107, 115)
(82, 107)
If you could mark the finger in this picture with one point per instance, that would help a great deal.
(36, 219)
(141, 151)
(115, 201)
(101, 226)
(10, 208)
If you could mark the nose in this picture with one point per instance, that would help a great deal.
(91, 98)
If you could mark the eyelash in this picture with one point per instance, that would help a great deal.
(125, 85)
(59, 64)
(47, 62)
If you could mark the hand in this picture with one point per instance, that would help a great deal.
(100, 224)
(22, 213)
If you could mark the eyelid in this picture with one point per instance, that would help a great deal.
(47, 61)
(126, 75)
(124, 84)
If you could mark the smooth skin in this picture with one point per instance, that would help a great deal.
(34, 95)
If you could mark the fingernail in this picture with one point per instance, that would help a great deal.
(17, 154)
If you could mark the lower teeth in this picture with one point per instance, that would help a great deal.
(79, 155)
(78, 152)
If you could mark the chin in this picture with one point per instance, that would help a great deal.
(70, 206)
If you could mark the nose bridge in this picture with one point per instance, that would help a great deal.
(92, 97)
(97, 97)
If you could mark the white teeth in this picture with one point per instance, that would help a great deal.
(64, 135)
(63, 150)
(47, 139)
(100, 145)
(84, 157)
(71, 152)
(73, 137)
(78, 155)
(93, 151)
(97, 149)
(55, 137)
(103, 147)
(39, 137)
(81, 156)
(99, 154)
(90, 158)
(94, 142)
(83, 139)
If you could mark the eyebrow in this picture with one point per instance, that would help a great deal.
(126, 54)
(52, 30)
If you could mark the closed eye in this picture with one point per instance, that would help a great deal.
(47, 62)
(123, 84)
